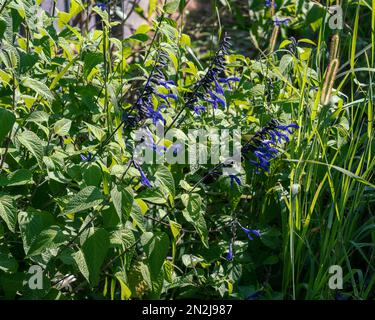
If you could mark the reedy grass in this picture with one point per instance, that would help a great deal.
(329, 220)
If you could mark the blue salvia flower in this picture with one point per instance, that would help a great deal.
(102, 6)
(145, 104)
(166, 84)
(150, 143)
(176, 148)
(234, 178)
(269, 4)
(288, 127)
(215, 99)
(158, 148)
(250, 232)
(86, 159)
(166, 96)
(263, 142)
(155, 115)
(279, 22)
(199, 109)
(144, 179)
(229, 80)
(208, 88)
(219, 89)
(230, 251)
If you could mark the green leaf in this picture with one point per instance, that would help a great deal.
(39, 87)
(143, 28)
(152, 195)
(7, 121)
(57, 78)
(27, 61)
(171, 6)
(91, 256)
(9, 55)
(8, 212)
(168, 270)
(92, 174)
(32, 223)
(175, 228)
(38, 117)
(193, 214)
(103, 15)
(91, 60)
(17, 178)
(123, 202)
(32, 143)
(96, 131)
(157, 287)
(187, 187)
(136, 214)
(125, 291)
(285, 61)
(87, 198)
(190, 260)
(315, 13)
(151, 7)
(3, 27)
(62, 127)
(11, 283)
(124, 237)
(139, 37)
(166, 178)
(156, 248)
(47, 239)
(7, 262)
(79, 258)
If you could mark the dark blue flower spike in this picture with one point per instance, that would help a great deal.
(199, 109)
(102, 6)
(279, 22)
(269, 4)
(176, 148)
(209, 88)
(166, 84)
(218, 88)
(230, 251)
(250, 232)
(144, 179)
(263, 144)
(155, 115)
(88, 158)
(229, 80)
(215, 99)
(233, 179)
(144, 104)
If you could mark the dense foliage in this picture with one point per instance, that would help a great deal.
(76, 201)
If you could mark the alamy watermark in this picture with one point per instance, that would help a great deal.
(336, 279)
(335, 21)
(35, 281)
(197, 147)
(36, 278)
